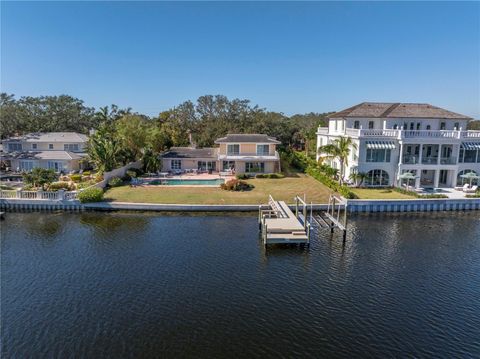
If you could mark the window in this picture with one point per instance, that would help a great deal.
(34, 146)
(442, 125)
(207, 165)
(456, 126)
(254, 167)
(356, 125)
(233, 149)
(371, 125)
(336, 125)
(50, 146)
(429, 127)
(395, 126)
(468, 156)
(56, 166)
(378, 155)
(14, 147)
(70, 147)
(26, 166)
(377, 178)
(228, 165)
(176, 165)
(418, 126)
(412, 126)
(263, 150)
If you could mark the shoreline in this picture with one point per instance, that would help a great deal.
(353, 206)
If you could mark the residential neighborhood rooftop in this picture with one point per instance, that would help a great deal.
(45, 155)
(247, 138)
(52, 137)
(397, 110)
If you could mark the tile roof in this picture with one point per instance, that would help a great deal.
(247, 138)
(398, 110)
(44, 155)
(190, 152)
(52, 137)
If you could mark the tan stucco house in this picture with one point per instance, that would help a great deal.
(60, 151)
(241, 153)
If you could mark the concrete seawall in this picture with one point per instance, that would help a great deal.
(354, 206)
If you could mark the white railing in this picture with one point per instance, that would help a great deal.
(352, 132)
(379, 133)
(471, 134)
(39, 195)
(322, 131)
(430, 134)
(8, 194)
(70, 196)
(49, 195)
(28, 194)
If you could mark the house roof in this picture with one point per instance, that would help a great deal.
(51, 137)
(247, 138)
(397, 110)
(190, 152)
(44, 155)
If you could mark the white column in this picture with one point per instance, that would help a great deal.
(436, 178)
(420, 153)
(439, 154)
(417, 180)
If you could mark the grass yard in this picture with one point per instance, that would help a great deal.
(281, 189)
(379, 193)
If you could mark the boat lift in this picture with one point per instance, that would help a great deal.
(333, 218)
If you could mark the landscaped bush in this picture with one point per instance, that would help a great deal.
(269, 175)
(55, 186)
(330, 183)
(5, 187)
(92, 194)
(85, 184)
(115, 182)
(242, 176)
(86, 173)
(419, 195)
(99, 177)
(76, 178)
(297, 159)
(138, 171)
(131, 173)
(236, 185)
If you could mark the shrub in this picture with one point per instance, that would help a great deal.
(5, 187)
(242, 176)
(138, 171)
(236, 185)
(269, 175)
(419, 195)
(76, 178)
(85, 184)
(86, 173)
(115, 182)
(132, 174)
(55, 186)
(330, 183)
(39, 177)
(92, 194)
(99, 177)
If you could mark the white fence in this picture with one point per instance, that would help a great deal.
(60, 195)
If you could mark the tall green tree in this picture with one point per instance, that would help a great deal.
(339, 149)
(105, 150)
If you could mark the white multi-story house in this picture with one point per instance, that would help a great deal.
(393, 138)
(60, 151)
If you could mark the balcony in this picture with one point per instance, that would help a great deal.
(401, 134)
(448, 161)
(432, 160)
(411, 159)
(258, 156)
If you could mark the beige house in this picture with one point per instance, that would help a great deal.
(60, 151)
(240, 153)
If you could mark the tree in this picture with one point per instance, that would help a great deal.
(339, 150)
(39, 177)
(358, 178)
(133, 130)
(151, 161)
(105, 150)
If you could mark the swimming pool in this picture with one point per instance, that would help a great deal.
(189, 182)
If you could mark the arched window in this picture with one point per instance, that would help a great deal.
(461, 180)
(377, 178)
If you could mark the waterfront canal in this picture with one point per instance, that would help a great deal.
(136, 285)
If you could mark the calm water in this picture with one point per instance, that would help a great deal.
(124, 285)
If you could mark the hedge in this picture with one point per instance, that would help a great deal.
(76, 178)
(115, 182)
(91, 194)
(270, 175)
(55, 186)
(418, 195)
(330, 183)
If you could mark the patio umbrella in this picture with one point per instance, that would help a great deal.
(470, 176)
(408, 176)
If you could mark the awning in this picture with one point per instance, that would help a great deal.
(471, 145)
(380, 145)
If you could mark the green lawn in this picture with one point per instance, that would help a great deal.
(379, 193)
(281, 189)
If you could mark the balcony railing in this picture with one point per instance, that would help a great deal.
(430, 134)
(448, 160)
(411, 159)
(432, 160)
(272, 154)
(400, 134)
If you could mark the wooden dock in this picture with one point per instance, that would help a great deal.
(279, 225)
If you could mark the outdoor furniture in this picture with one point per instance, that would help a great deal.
(471, 190)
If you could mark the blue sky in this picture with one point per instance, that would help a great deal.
(291, 57)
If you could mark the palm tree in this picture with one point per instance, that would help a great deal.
(358, 178)
(104, 150)
(338, 149)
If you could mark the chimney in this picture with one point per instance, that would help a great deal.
(190, 140)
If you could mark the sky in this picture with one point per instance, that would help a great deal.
(290, 57)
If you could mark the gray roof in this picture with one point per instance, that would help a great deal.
(51, 137)
(398, 110)
(44, 155)
(247, 138)
(190, 152)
